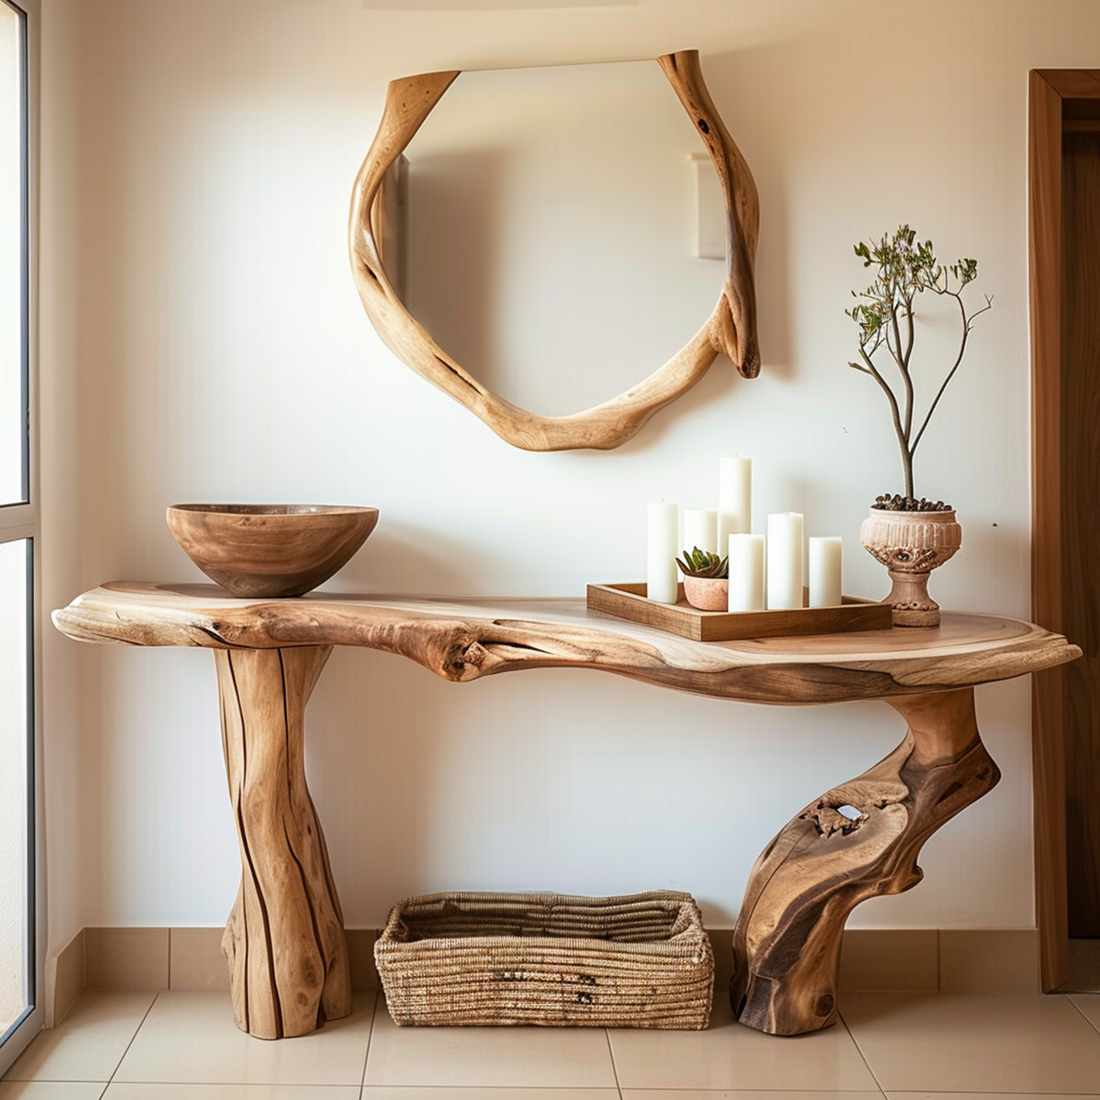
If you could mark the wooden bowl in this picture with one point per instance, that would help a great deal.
(270, 550)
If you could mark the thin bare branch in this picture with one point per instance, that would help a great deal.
(906, 457)
(950, 373)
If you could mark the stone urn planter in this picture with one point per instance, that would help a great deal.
(911, 545)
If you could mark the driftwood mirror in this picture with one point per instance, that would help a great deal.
(730, 329)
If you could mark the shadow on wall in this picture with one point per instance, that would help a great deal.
(549, 781)
(422, 561)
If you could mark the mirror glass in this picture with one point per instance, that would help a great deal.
(551, 230)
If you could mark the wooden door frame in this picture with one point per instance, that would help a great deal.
(1048, 93)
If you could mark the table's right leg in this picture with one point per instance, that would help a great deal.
(285, 945)
(857, 841)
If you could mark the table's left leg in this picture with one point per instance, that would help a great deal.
(857, 841)
(285, 945)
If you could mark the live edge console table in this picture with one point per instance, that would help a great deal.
(284, 941)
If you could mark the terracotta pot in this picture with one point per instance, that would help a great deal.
(707, 593)
(911, 545)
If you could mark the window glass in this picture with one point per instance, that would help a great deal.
(16, 959)
(13, 266)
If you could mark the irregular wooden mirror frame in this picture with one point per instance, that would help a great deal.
(730, 329)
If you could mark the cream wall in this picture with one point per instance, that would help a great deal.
(223, 355)
(66, 749)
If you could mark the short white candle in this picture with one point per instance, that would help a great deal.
(825, 571)
(734, 498)
(784, 560)
(700, 529)
(660, 578)
(746, 583)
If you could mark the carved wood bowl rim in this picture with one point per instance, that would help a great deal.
(270, 550)
(730, 329)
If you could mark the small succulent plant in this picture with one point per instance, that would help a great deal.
(702, 563)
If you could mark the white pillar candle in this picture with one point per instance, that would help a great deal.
(734, 498)
(784, 560)
(700, 529)
(825, 571)
(661, 533)
(746, 583)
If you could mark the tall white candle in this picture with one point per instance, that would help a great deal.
(825, 571)
(660, 576)
(734, 498)
(700, 529)
(784, 560)
(746, 583)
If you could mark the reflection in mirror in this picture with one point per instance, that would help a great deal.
(551, 230)
(729, 329)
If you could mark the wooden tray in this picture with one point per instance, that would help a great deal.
(628, 601)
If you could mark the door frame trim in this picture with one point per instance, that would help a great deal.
(1048, 91)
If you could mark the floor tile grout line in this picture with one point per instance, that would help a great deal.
(144, 1017)
(370, 1040)
(855, 1042)
(611, 1055)
(1079, 1010)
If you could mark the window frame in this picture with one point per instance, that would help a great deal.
(21, 521)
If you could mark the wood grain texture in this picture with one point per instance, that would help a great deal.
(1048, 756)
(1081, 523)
(628, 601)
(825, 862)
(284, 942)
(1052, 93)
(1071, 83)
(464, 639)
(734, 320)
(730, 329)
(270, 550)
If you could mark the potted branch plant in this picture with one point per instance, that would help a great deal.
(706, 579)
(910, 535)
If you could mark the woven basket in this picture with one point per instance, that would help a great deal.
(464, 959)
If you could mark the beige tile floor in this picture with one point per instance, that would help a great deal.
(901, 1046)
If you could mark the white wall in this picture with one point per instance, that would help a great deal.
(66, 747)
(224, 355)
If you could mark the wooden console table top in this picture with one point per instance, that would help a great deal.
(464, 638)
(284, 943)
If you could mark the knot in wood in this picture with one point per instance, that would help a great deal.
(467, 661)
(829, 820)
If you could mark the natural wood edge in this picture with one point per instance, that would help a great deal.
(731, 328)
(859, 840)
(284, 941)
(734, 320)
(466, 643)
